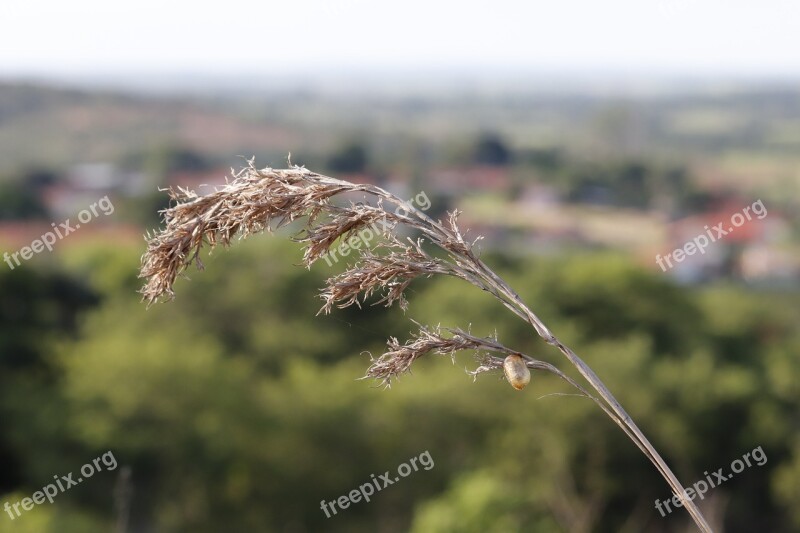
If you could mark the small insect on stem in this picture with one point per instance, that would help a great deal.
(516, 371)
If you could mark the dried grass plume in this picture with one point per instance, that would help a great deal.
(258, 200)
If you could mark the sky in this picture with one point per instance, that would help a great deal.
(240, 38)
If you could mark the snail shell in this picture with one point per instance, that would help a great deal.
(516, 371)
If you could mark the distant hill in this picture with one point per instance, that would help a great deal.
(743, 135)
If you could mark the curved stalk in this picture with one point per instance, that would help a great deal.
(256, 198)
(512, 300)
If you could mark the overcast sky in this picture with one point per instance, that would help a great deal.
(697, 37)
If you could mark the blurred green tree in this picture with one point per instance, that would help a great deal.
(490, 149)
(236, 409)
(349, 159)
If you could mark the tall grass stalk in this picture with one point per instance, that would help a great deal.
(258, 200)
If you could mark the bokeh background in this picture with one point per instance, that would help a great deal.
(579, 138)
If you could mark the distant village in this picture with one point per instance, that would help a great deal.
(518, 219)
